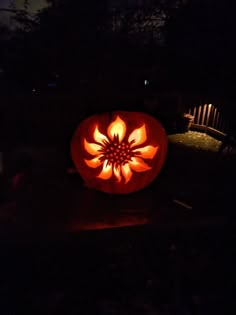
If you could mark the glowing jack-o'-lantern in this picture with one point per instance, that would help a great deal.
(119, 153)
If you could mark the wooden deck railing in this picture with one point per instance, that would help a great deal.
(208, 116)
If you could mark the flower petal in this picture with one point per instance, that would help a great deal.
(117, 173)
(147, 152)
(92, 148)
(138, 136)
(117, 128)
(94, 162)
(106, 172)
(98, 136)
(138, 165)
(126, 172)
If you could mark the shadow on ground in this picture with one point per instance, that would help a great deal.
(182, 262)
(53, 201)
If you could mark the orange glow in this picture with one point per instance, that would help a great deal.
(94, 163)
(119, 152)
(126, 172)
(119, 157)
(103, 226)
(117, 128)
(118, 222)
(138, 165)
(91, 148)
(98, 136)
(116, 170)
(106, 172)
(147, 152)
(138, 136)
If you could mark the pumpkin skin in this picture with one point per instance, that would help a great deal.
(119, 152)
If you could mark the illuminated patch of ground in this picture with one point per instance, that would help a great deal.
(196, 140)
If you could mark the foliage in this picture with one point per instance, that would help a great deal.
(21, 19)
(144, 23)
(60, 37)
(24, 21)
(72, 37)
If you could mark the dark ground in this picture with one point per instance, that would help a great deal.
(182, 262)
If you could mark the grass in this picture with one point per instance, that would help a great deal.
(196, 141)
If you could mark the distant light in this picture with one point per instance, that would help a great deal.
(146, 82)
(34, 90)
(210, 105)
(52, 84)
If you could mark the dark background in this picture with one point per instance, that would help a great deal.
(72, 59)
(76, 58)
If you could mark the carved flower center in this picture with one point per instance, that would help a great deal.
(117, 153)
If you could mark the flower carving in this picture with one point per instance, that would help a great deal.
(119, 154)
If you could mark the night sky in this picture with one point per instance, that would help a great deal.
(34, 5)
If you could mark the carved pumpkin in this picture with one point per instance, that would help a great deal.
(120, 152)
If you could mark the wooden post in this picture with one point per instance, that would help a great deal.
(204, 114)
(199, 114)
(194, 114)
(208, 115)
(214, 118)
(217, 120)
